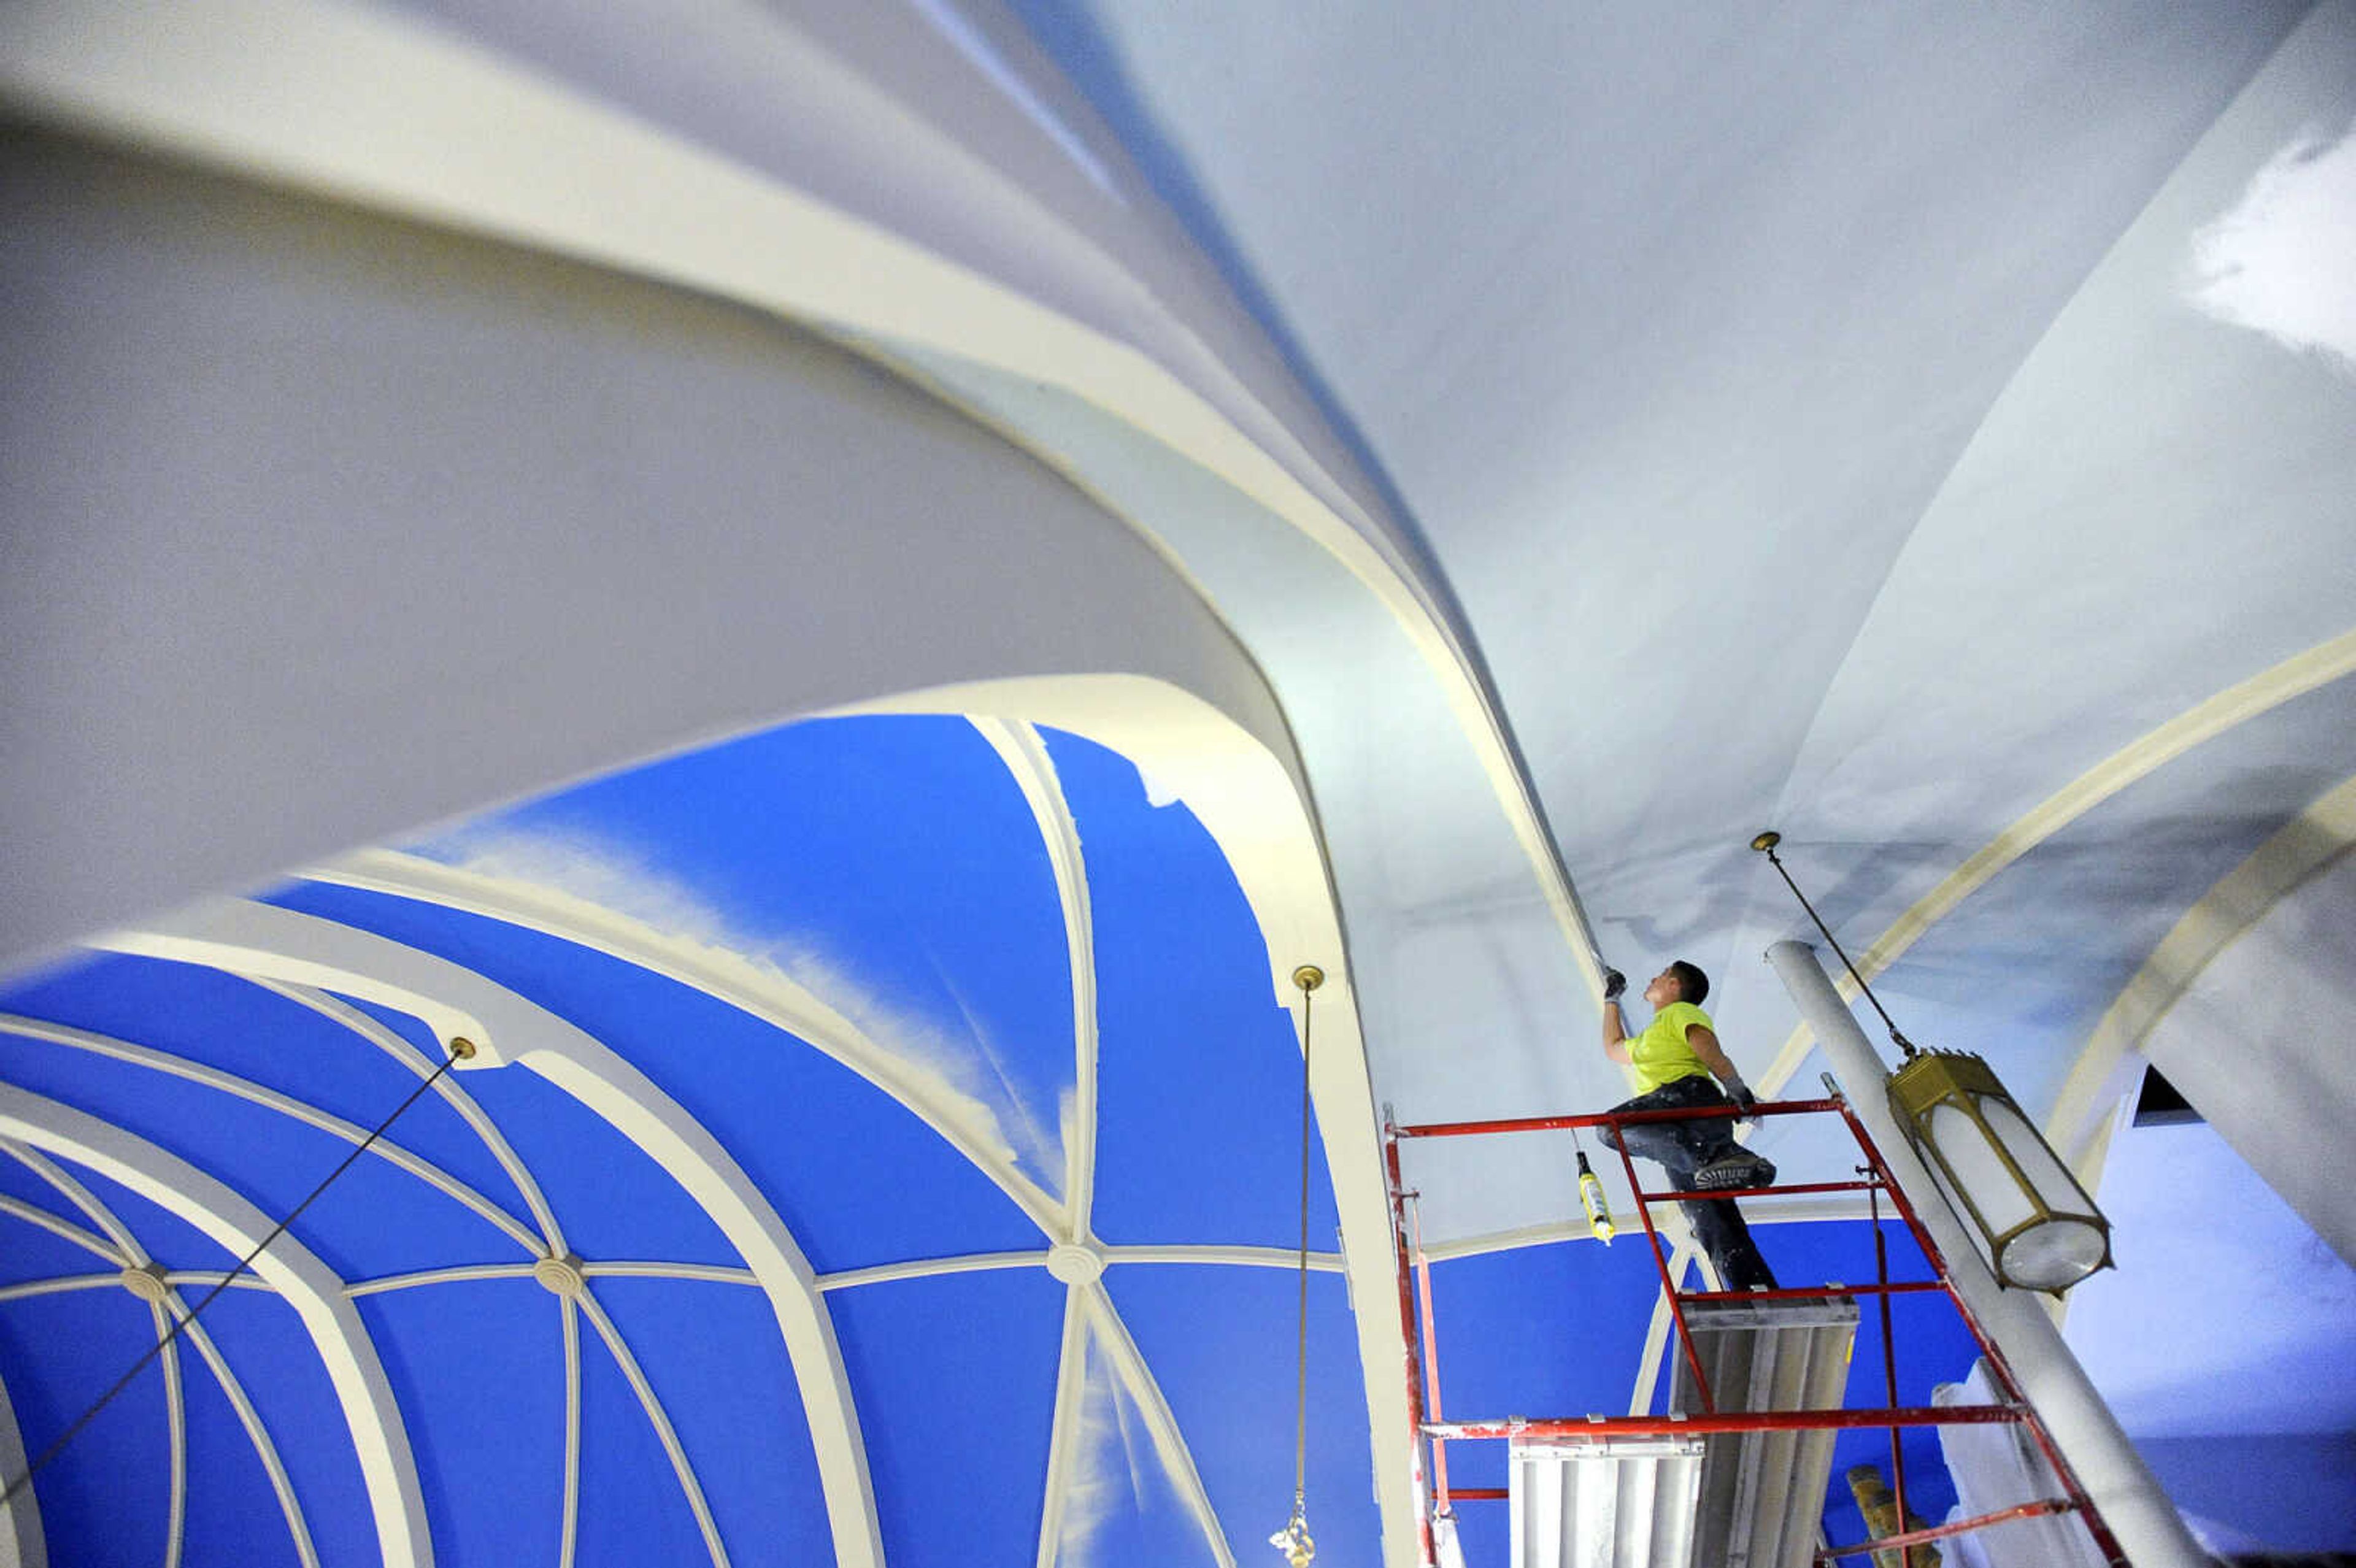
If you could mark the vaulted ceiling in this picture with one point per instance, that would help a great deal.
(1411, 492)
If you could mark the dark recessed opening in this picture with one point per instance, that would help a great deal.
(2158, 1104)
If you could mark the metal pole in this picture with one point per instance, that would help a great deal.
(1668, 1283)
(2121, 1486)
(1431, 1360)
(1407, 1334)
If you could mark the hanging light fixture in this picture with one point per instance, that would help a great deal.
(2033, 1221)
(1293, 1538)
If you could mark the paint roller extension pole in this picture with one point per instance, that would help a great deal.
(2122, 1487)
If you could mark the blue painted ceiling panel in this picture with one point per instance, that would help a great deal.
(102, 1501)
(889, 864)
(1124, 1506)
(956, 1377)
(204, 1015)
(376, 1219)
(859, 1179)
(30, 1253)
(714, 1355)
(277, 1365)
(1220, 1340)
(1193, 1054)
(478, 1368)
(233, 1516)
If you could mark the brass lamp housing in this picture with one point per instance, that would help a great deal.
(2035, 1226)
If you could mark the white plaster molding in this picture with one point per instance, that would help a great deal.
(1064, 1426)
(179, 1279)
(1237, 1256)
(569, 1537)
(1248, 802)
(373, 1417)
(761, 992)
(176, 1437)
(2269, 688)
(2304, 846)
(62, 1180)
(1169, 1444)
(65, 1230)
(925, 1268)
(457, 1274)
(1024, 753)
(22, 1543)
(262, 940)
(281, 1484)
(637, 1268)
(452, 1092)
(310, 1116)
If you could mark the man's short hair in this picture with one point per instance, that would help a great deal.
(1692, 984)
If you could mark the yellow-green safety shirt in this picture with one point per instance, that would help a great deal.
(1660, 1055)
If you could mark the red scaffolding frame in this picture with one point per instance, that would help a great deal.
(1434, 1432)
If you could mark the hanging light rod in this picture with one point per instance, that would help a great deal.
(1293, 1539)
(2033, 1220)
(1765, 844)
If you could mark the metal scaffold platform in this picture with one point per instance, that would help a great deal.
(1735, 1473)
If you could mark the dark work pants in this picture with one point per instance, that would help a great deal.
(1683, 1147)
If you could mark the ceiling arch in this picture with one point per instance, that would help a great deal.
(2084, 1111)
(2304, 672)
(379, 1437)
(258, 940)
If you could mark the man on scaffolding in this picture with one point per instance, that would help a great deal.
(1676, 1059)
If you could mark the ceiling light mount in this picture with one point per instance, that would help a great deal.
(562, 1277)
(146, 1281)
(1075, 1263)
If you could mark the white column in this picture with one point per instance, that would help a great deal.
(2114, 1475)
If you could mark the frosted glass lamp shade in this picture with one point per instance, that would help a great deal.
(2033, 1224)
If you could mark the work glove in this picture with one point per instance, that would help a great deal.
(1614, 983)
(1744, 1100)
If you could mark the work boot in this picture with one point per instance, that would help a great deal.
(1737, 1168)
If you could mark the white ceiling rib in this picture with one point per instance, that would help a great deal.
(1024, 754)
(175, 1424)
(1169, 1443)
(385, 1148)
(23, 1542)
(763, 993)
(282, 1486)
(64, 1229)
(659, 1420)
(1063, 1430)
(373, 1418)
(568, 1531)
(2305, 844)
(194, 1334)
(2318, 665)
(452, 1091)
